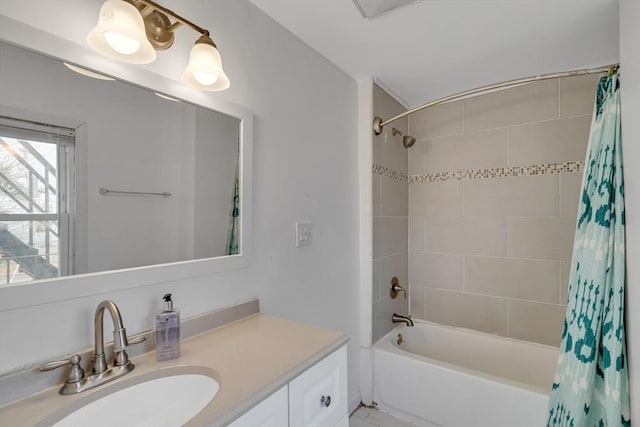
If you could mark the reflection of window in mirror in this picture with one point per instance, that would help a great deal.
(36, 196)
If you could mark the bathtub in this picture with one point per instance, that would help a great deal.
(453, 377)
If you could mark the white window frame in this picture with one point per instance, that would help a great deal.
(65, 139)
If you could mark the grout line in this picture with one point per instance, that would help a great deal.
(560, 195)
(462, 114)
(498, 297)
(506, 317)
(462, 188)
(506, 234)
(502, 257)
(560, 284)
(426, 235)
(424, 310)
(508, 145)
(464, 276)
(559, 104)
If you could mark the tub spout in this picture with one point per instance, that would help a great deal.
(399, 318)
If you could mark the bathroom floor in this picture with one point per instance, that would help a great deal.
(367, 417)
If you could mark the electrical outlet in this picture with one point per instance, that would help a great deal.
(303, 234)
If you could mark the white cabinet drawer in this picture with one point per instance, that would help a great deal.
(318, 397)
(271, 412)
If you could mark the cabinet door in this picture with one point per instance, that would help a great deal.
(318, 397)
(271, 412)
(344, 422)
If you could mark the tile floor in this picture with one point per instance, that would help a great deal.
(367, 417)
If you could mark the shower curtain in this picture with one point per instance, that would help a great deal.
(591, 384)
(232, 246)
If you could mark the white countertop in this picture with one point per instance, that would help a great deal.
(250, 358)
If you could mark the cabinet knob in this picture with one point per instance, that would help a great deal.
(325, 401)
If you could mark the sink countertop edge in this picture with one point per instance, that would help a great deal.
(252, 358)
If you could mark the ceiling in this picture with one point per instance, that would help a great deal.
(434, 48)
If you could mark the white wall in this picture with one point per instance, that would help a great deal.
(630, 86)
(305, 157)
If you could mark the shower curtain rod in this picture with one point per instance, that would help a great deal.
(378, 124)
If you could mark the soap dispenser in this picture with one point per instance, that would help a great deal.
(168, 331)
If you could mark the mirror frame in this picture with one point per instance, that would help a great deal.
(63, 288)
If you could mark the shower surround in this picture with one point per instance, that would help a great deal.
(493, 184)
(390, 216)
(494, 187)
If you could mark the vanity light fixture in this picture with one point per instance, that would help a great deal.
(132, 30)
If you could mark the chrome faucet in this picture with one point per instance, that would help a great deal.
(399, 318)
(120, 342)
(76, 381)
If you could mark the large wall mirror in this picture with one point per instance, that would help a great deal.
(104, 175)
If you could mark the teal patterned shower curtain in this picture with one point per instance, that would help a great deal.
(591, 384)
(232, 246)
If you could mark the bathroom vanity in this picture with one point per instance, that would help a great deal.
(268, 370)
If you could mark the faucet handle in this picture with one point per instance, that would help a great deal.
(396, 288)
(137, 340)
(121, 358)
(76, 373)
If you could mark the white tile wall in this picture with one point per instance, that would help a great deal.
(465, 151)
(390, 218)
(476, 236)
(577, 95)
(436, 270)
(494, 253)
(541, 238)
(394, 197)
(552, 141)
(570, 185)
(443, 119)
(483, 313)
(513, 278)
(516, 196)
(523, 104)
(535, 322)
(417, 234)
(389, 236)
(436, 199)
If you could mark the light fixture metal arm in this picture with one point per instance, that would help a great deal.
(175, 16)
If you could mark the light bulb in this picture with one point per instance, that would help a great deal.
(120, 34)
(205, 67)
(122, 44)
(206, 79)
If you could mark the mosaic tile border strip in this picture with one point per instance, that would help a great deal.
(390, 173)
(503, 172)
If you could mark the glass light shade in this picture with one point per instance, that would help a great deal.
(205, 69)
(120, 34)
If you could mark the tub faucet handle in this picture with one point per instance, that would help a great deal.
(396, 288)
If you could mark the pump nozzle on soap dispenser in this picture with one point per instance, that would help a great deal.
(168, 331)
(168, 302)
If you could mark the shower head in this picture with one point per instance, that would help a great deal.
(407, 140)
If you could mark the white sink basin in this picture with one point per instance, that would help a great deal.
(170, 401)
